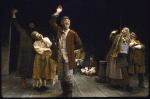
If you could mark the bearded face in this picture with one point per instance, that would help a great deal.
(66, 23)
(31, 25)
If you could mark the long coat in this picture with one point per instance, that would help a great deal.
(121, 61)
(136, 60)
(113, 38)
(27, 52)
(72, 42)
(115, 64)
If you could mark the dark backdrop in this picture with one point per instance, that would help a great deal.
(93, 20)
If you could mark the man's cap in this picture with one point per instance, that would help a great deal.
(65, 17)
(92, 56)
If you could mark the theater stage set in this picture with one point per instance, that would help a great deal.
(105, 14)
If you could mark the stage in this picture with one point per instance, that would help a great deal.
(84, 86)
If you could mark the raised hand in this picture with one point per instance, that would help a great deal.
(59, 9)
(14, 11)
(113, 32)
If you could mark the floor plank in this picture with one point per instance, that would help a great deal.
(6, 80)
(87, 89)
(104, 87)
(75, 90)
(7, 91)
(83, 86)
(55, 89)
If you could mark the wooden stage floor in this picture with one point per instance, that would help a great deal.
(84, 86)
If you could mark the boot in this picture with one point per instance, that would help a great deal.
(39, 89)
(69, 90)
(141, 80)
(44, 87)
(74, 71)
(23, 84)
(129, 79)
(63, 86)
(142, 85)
(69, 94)
(128, 88)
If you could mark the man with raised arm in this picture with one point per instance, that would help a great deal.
(66, 42)
(27, 52)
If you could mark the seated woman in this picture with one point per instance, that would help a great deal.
(44, 69)
(90, 67)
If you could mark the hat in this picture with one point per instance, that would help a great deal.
(33, 34)
(65, 17)
(92, 56)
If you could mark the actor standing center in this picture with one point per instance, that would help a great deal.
(66, 42)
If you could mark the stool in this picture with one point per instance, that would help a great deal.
(102, 71)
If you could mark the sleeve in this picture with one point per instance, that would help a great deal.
(52, 22)
(17, 26)
(83, 56)
(142, 46)
(130, 44)
(77, 41)
(138, 46)
(112, 36)
(47, 41)
(37, 48)
(75, 52)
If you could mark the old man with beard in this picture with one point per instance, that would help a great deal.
(117, 61)
(63, 53)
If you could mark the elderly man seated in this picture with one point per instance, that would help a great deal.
(90, 67)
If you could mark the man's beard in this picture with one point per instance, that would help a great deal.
(31, 29)
(67, 27)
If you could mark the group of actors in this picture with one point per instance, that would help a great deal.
(39, 62)
(124, 59)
